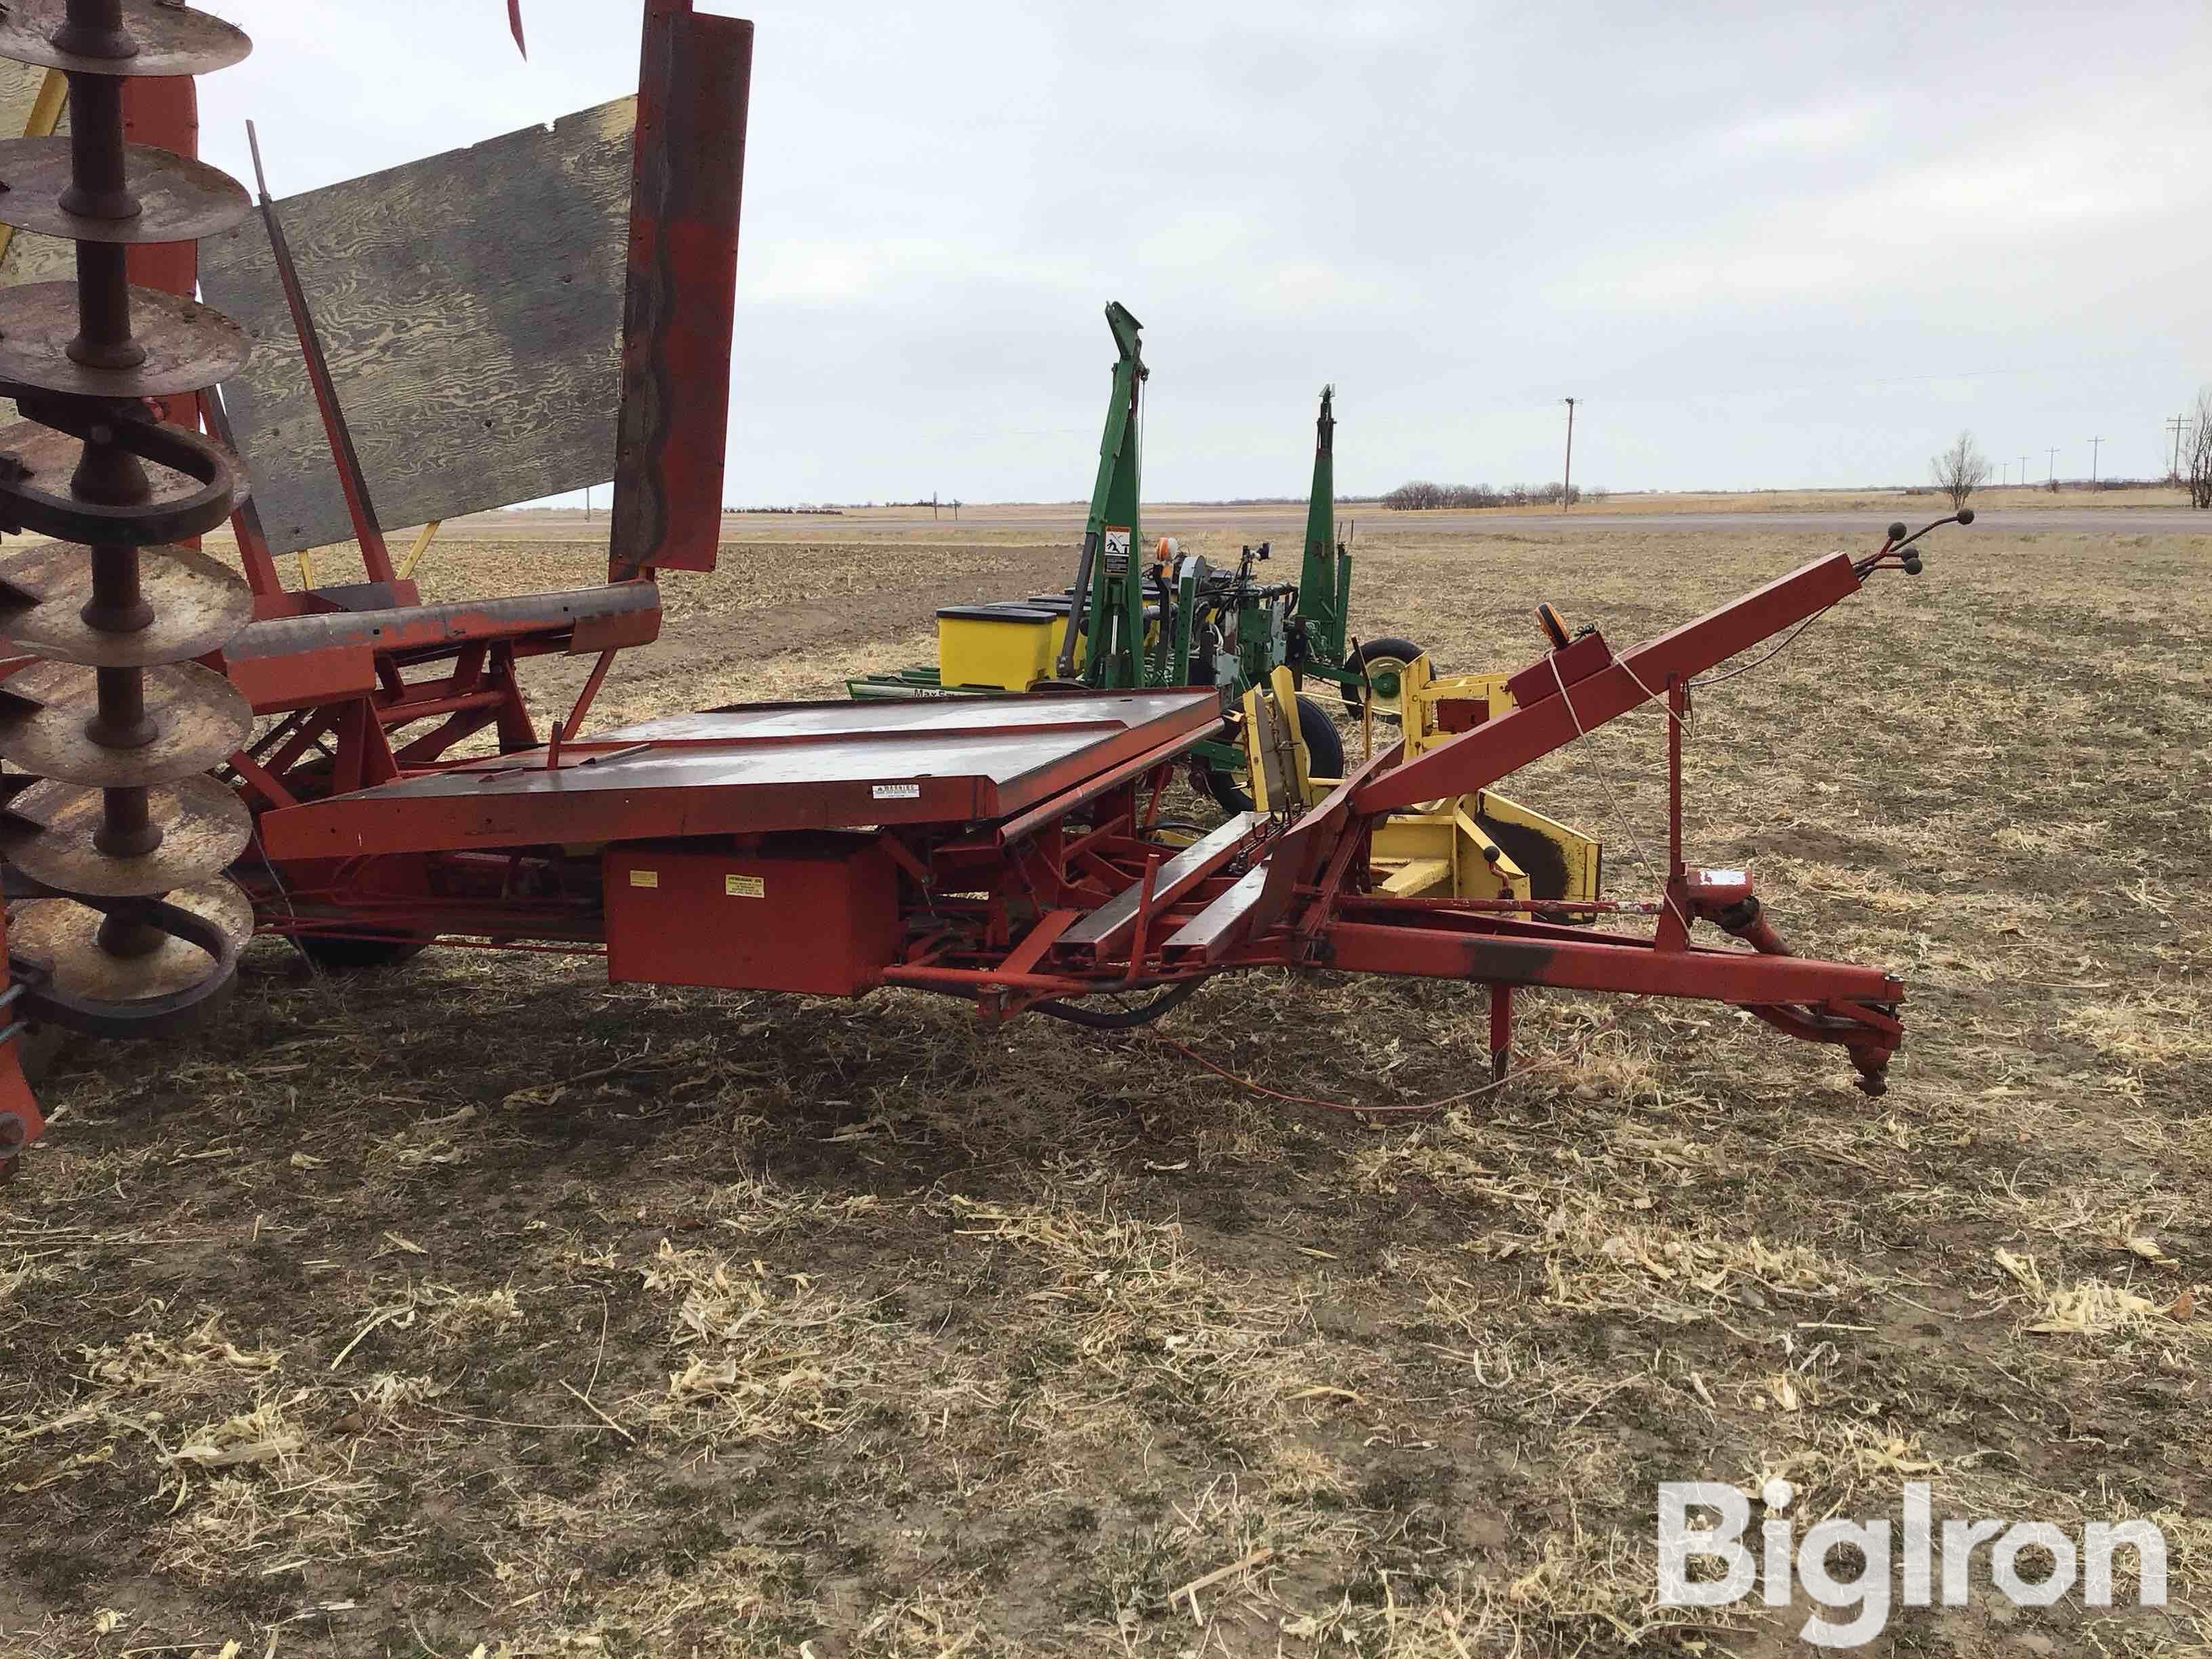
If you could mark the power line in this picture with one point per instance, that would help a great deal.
(1528, 399)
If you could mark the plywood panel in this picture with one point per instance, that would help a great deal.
(471, 305)
(30, 258)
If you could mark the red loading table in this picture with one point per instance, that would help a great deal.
(767, 767)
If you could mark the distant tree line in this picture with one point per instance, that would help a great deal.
(1422, 496)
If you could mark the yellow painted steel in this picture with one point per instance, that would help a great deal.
(1011, 653)
(1278, 767)
(1441, 848)
(429, 534)
(46, 109)
(307, 566)
(1260, 762)
(1444, 853)
(1424, 692)
(1415, 877)
(45, 115)
(1285, 686)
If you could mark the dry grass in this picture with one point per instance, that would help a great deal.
(485, 1305)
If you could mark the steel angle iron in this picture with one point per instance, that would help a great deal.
(121, 838)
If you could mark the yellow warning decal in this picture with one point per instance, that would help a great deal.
(645, 878)
(744, 886)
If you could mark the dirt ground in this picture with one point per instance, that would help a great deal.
(480, 1307)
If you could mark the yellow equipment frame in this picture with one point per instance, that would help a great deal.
(1443, 849)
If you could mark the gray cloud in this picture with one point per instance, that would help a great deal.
(1770, 245)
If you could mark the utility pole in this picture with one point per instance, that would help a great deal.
(932, 506)
(2023, 472)
(587, 503)
(2093, 442)
(2179, 422)
(1567, 484)
(2053, 479)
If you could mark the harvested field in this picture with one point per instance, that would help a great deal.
(479, 1305)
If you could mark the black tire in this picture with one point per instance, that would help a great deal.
(312, 781)
(1324, 758)
(356, 956)
(1384, 659)
(1324, 742)
(1226, 788)
(39, 1050)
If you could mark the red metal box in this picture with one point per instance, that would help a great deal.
(821, 918)
(1577, 660)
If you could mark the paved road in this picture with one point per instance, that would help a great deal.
(1276, 520)
(2118, 521)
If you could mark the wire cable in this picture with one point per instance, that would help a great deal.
(1790, 640)
(1606, 778)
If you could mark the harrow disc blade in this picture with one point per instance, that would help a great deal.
(180, 200)
(197, 606)
(65, 936)
(171, 41)
(201, 721)
(47, 834)
(188, 345)
(36, 491)
(134, 942)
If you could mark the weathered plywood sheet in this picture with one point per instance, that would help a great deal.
(471, 306)
(30, 258)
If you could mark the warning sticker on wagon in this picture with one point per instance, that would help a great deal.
(896, 792)
(744, 886)
(645, 878)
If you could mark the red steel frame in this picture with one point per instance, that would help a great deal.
(989, 905)
(680, 307)
(1314, 906)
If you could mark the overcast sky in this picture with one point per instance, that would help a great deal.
(1770, 244)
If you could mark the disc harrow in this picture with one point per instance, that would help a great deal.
(132, 928)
